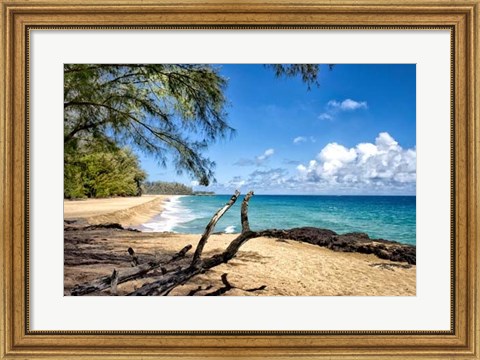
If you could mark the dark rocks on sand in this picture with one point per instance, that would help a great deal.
(352, 242)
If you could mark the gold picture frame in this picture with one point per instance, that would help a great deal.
(462, 341)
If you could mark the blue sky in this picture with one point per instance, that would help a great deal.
(355, 134)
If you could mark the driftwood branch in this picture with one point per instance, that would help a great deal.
(126, 275)
(180, 254)
(211, 225)
(167, 283)
(244, 212)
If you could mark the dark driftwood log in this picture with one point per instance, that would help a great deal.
(168, 282)
(211, 225)
(126, 275)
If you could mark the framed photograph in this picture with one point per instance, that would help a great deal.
(240, 179)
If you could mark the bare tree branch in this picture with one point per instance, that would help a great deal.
(211, 225)
(244, 212)
(167, 283)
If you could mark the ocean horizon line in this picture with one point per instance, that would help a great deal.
(359, 195)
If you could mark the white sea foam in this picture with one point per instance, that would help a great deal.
(173, 214)
(230, 229)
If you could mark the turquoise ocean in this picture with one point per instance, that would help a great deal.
(386, 217)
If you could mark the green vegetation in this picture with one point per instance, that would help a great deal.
(308, 72)
(166, 188)
(95, 172)
(171, 112)
(154, 108)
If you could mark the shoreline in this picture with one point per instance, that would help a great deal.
(127, 211)
(388, 219)
(142, 213)
(133, 212)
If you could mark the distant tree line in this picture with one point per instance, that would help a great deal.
(166, 188)
(204, 193)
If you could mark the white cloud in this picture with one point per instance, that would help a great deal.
(302, 168)
(334, 152)
(334, 107)
(334, 156)
(347, 104)
(325, 116)
(385, 142)
(265, 155)
(368, 167)
(379, 167)
(194, 183)
(258, 161)
(268, 180)
(299, 139)
(244, 162)
(237, 182)
(302, 139)
(290, 162)
(264, 181)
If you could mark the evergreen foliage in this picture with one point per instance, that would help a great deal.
(100, 173)
(162, 110)
(308, 72)
(166, 188)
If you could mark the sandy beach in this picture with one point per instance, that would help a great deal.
(263, 266)
(127, 211)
